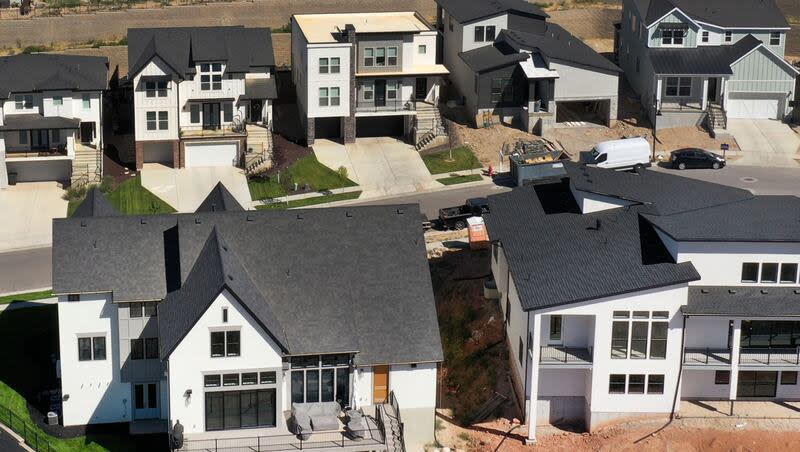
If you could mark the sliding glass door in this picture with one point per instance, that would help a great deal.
(230, 410)
(757, 384)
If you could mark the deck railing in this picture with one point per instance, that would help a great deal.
(33, 437)
(369, 106)
(706, 356)
(788, 356)
(549, 354)
(396, 408)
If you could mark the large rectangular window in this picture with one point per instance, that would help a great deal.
(23, 102)
(770, 334)
(658, 340)
(137, 349)
(788, 273)
(616, 384)
(151, 348)
(769, 272)
(225, 343)
(321, 379)
(639, 340)
(210, 76)
(155, 88)
(757, 384)
(502, 90)
(750, 272)
(619, 340)
(679, 87)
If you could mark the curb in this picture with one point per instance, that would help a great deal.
(313, 194)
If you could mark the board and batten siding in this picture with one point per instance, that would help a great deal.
(576, 82)
(690, 40)
(763, 72)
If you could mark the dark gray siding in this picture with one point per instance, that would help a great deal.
(385, 40)
(518, 80)
(526, 23)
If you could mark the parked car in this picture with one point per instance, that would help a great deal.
(456, 217)
(627, 153)
(695, 158)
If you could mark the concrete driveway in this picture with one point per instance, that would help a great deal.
(28, 211)
(765, 142)
(185, 188)
(381, 166)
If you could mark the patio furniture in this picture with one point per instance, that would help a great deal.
(355, 425)
(320, 416)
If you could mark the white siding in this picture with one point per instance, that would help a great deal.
(720, 263)
(580, 83)
(143, 104)
(592, 202)
(317, 80)
(411, 55)
(468, 43)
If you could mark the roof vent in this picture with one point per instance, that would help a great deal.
(705, 291)
(732, 291)
(348, 214)
(213, 207)
(224, 247)
(764, 291)
(83, 223)
(248, 218)
(196, 220)
(230, 277)
(142, 220)
(400, 211)
(94, 243)
(299, 216)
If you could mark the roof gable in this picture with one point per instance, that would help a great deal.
(219, 199)
(722, 13)
(470, 10)
(95, 204)
(43, 71)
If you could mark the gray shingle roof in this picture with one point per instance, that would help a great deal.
(43, 71)
(468, 10)
(336, 279)
(743, 301)
(95, 204)
(219, 199)
(180, 47)
(491, 57)
(703, 60)
(260, 88)
(36, 121)
(724, 13)
(558, 44)
(543, 233)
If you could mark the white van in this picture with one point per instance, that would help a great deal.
(621, 154)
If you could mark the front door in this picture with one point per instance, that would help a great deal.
(145, 401)
(556, 336)
(211, 116)
(421, 88)
(255, 110)
(380, 93)
(712, 90)
(380, 384)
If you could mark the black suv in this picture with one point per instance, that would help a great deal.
(695, 158)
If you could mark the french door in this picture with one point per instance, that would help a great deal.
(211, 120)
(145, 401)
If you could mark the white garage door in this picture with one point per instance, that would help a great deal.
(210, 154)
(753, 108)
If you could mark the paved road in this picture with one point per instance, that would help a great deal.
(8, 443)
(25, 270)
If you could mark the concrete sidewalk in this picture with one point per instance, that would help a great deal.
(185, 188)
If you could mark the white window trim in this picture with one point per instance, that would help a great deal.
(211, 73)
(780, 38)
(672, 39)
(705, 36)
(422, 49)
(727, 36)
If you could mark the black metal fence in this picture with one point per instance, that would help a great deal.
(34, 438)
(770, 356)
(564, 355)
(396, 408)
(385, 105)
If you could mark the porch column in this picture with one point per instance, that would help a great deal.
(533, 382)
(658, 94)
(3, 168)
(723, 90)
(704, 100)
(735, 346)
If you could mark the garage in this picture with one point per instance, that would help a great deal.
(210, 154)
(160, 152)
(590, 111)
(327, 128)
(754, 105)
(381, 126)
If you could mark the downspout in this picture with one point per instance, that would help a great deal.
(527, 357)
(680, 371)
(169, 410)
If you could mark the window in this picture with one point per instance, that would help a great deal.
(616, 384)
(450, 23)
(137, 349)
(639, 340)
(641, 315)
(766, 334)
(155, 88)
(672, 37)
(789, 377)
(323, 97)
(151, 348)
(422, 49)
(391, 56)
(555, 327)
(211, 381)
(619, 340)
(227, 112)
(23, 102)
(658, 340)
(324, 66)
(194, 113)
(73, 297)
(704, 36)
(728, 36)
(163, 120)
(56, 136)
(679, 87)
(320, 379)
(249, 378)
(224, 315)
(769, 272)
(775, 38)
(655, 384)
(157, 120)
(267, 378)
(391, 89)
(502, 90)
(210, 76)
(479, 34)
(240, 409)
(368, 91)
(490, 33)
(660, 314)
(334, 99)
(636, 384)
(151, 309)
(485, 34)
(135, 310)
(232, 347)
(369, 57)
(508, 311)
(750, 272)
(87, 101)
(788, 273)
(621, 314)
(84, 349)
(722, 377)
(58, 100)
(230, 380)
(335, 65)
(380, 56)
(225, 343)
(23, 137)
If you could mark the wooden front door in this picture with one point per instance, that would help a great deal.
(380, 384)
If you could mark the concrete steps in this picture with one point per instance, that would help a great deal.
(429, 128)
(86, 166)
(258, 157)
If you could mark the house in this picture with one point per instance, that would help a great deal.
(666, 299)
(366, 75)
(228, 321)
(694, 63)
(51, 108)
(508, 64)
(202, 96)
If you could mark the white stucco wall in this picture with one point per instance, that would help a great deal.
(576, 82)
(720, 263)
(592, 202)
(707, 332)
(499, 21)
(316, 80)
(699, 384)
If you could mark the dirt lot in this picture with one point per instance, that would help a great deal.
(593, 25)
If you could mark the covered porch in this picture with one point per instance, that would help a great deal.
(36, 136)
(688, 93)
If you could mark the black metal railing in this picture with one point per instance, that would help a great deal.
(549, 354)
(784, 356)
(387, 105)
(33, 437)
(706, 356)
(59, 151)
(396, 407)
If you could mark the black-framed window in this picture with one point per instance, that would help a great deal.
(225, 343)
(757, 384)
(210, 76)
(23, 102)
(639, 340)
(555, 327)
(479, 33)
(151, 348)
(135, 310)
(72, 296)
(324, 378)
(655, 384)
(249, 378)
(616, 384)
(490, 33)
(704, 37)
(137, 349)
(267, 378)
(788, 273)
(636, 384)
(789, 377)
(155, 88)
(658, 340)
(150, 309)
(240, 409)
(502, 90)
(227, 112)
(728, 36)
(230, 380)
(722, 377)
(194, 113)
(619, 340)
(212, 381)
(84, 349)
(775, 38)
(769, 272)
(768, 333)
(99, 348)
(679, 87)
(750, 272)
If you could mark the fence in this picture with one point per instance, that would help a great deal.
(65, 7)
(32, 436)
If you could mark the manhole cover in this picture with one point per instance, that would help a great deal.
(748, 179)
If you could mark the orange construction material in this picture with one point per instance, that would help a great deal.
(478, 237)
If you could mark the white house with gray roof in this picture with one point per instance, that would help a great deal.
(677, 290)
(202, 95)
(701, 62)
(508, 64)
(51, 108)
(236, 329)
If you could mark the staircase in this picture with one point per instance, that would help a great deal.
(394, 429)
(429, 129)
(87, 165)
(717, 120)
(258, 156)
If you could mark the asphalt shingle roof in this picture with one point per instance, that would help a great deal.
(37, 121)
(724, 13)
(468, 10)
(491, 57)
(180, 47)
(558, 44)
(219, 199)
(703, 60)
(42, 71)
(95, 204)
(336, 279)
(743, 301)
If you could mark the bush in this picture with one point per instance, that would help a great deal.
(74, 194)
(342, 172)
(34, 49)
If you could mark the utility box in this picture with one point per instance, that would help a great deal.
(52, 418)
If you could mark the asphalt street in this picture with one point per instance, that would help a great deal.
(31, 269)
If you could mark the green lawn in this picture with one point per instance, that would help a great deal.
(439, 162)
(311, 201)
(452, 180)
(307, 170)
(26, 296)
(130, 198)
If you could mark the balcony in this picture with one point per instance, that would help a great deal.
(706, 357)
(560, 356)
(388, 106)
(773, 357)
(211, 132)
